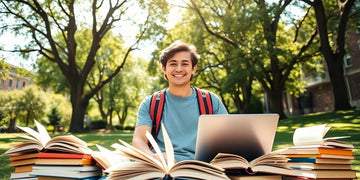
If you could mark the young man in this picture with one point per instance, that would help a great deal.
(181, 110)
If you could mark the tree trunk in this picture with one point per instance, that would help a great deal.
(110, 125)
(28, 118)
(276, 102)
(243, 106)
(12, 124)
(336, 74)
(334, 59)
(79, 105)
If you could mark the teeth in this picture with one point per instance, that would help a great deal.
(178, 75)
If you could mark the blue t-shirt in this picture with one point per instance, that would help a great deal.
(180, 118)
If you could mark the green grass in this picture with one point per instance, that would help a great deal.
(343, 123)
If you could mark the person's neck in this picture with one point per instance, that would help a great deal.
(181, 91)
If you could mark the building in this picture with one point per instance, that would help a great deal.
(14, 80)
(319, 96)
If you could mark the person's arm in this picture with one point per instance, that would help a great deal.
(140, 141)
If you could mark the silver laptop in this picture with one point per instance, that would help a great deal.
(248, 135)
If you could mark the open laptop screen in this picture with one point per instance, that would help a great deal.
(247, 135)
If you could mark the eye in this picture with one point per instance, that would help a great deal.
(172, 64)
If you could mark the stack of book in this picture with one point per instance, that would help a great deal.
(41, 157)
(327, 158)
(45, 165)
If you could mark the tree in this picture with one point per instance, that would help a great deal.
(32, 104)
(9, 109)
(53, 25)
(279, 57)
(332, 24)
(54, 119)
(261, 50)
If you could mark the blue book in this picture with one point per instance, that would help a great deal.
(317, 160)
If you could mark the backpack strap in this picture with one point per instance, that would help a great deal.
(156, 108)
(204, 100)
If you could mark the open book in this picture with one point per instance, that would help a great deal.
(272, 163)
(145, 166)
(41, 141)
(106, 158)
(314, 135)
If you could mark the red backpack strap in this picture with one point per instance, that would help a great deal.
(156, 108)
(204, 100)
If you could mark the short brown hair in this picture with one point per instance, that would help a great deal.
(176, 47)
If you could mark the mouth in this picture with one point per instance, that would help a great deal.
(179, 75)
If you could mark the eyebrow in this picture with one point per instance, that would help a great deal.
(184, 60)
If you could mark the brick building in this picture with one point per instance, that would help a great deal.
(14, 81)
(319, 96)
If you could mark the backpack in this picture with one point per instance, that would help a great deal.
(157, 106)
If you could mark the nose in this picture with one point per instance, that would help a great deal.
(178, 67)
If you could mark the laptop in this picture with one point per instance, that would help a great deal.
(247, 135)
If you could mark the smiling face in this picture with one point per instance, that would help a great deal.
(179, 69)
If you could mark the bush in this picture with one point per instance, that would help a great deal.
(98, 124)
(128, 127)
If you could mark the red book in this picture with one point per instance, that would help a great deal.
(46, 155)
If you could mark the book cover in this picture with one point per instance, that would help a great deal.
(51, 161)
(321, 160)
(311, 166)
(256, 177)
(21, 175)
(64, 178)
(79, 168)
(50, 155)
(330, 156)
(316, 149)
(67, 173)
(25, 168)
(351, 174)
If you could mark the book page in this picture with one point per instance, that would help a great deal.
(312, 135)
(68, 139)
(44, 135)
(33, 133)
(157, 150)
(107, 158)
(133, 153)
(169, 149)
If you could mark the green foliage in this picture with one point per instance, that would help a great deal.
(32, 105)
(62, 106)
(54, 119)
(98, 124)
(4, 69)
(9, 109)
(53, 78)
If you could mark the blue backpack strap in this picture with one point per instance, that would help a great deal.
(156, 108)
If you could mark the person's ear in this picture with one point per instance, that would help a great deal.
(164, 71)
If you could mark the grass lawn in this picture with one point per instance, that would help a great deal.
(343, 123)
